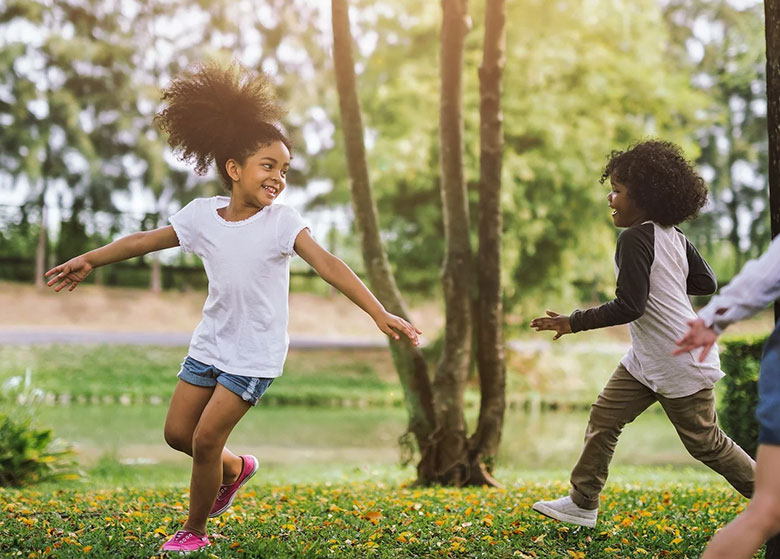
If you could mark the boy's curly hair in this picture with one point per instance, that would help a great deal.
(659, 179)
(216, 113)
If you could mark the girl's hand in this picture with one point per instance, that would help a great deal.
(553, 321)
(698, 335)
(69, 274)
(391, 324)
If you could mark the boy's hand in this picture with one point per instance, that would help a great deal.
(69, 274)
(698, 335)
(553, 321)
(391, 324)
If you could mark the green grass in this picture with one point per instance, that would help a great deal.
(100, 373)
(648, 513)
(332, 378)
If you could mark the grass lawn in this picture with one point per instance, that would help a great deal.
(645, 513)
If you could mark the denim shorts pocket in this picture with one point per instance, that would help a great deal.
(197, 373)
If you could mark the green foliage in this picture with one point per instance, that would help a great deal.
(28, 454)
(741, 361)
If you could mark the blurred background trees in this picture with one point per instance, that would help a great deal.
(80, 83)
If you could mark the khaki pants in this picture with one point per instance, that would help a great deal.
(694, 418)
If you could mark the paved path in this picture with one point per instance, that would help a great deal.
(22, 336)
(37, 336)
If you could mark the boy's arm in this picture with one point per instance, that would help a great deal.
(634, 257)
(72, 272)
(334, 271)
(701, 279)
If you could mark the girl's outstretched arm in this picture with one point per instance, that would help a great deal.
(339, 275)
(73, 272)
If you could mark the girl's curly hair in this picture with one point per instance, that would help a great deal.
(659, 179)
(216, 113)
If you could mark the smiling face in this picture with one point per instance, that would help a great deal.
(262, 177)
(625, 212)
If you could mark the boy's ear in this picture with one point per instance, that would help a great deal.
(233, 169)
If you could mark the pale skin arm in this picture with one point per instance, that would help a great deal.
(334, 271)
(697, 336)
(73, 272)
(558, 323)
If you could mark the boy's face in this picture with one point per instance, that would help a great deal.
(625, 212)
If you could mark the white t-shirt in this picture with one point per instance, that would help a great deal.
(244, 325)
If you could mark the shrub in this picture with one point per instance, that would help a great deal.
(741, 360)
(29, 454)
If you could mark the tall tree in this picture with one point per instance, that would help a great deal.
(408, 360)
(437, 413)
(449, 380)
(483, 444)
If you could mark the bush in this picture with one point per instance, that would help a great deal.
(29, 454)
(741, 360)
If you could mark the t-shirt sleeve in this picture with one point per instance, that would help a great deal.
(288, 226)
(701, 279)
(634, 257)
(185, 223)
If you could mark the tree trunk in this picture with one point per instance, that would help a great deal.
(450, 442)
(408, 360)
(490, 340)
(40, 251)
(772, 13)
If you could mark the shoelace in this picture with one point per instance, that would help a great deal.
(222, 491)
(182, 536)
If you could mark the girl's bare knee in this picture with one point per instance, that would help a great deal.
(206, 444)
(178, 441)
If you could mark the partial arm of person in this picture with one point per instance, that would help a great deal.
(75, 270)
(634, 257)
(334, 271)
(756, 285)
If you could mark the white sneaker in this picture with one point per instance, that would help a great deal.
(565, 510)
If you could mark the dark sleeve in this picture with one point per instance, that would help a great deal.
(701, 279)
(634, 257)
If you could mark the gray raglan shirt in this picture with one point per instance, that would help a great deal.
(657, 268)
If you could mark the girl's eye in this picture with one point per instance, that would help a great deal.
(267, 166)
(284, 173)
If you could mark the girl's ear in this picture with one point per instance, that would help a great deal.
(233, 169)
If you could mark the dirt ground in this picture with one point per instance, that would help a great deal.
(113, 309)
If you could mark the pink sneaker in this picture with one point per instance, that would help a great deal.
(228, 492)
(185, 541)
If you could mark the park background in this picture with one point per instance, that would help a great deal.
(81, 163)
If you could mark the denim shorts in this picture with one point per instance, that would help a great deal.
(768, 411)
(249, 389)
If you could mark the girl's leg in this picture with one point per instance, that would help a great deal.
(620, 402)
(696, 423)
(760, 521)
(184, 412)
(219, 417)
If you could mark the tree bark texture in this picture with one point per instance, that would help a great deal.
(490, 339)
(772, 13)
(408, 360)
(450, 441)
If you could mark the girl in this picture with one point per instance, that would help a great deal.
(653, 189)
(757, 285)
(245, 242)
